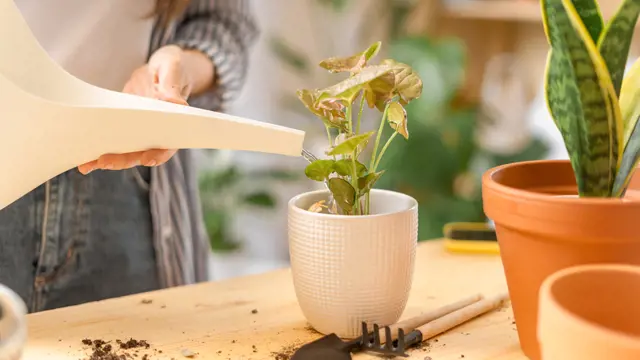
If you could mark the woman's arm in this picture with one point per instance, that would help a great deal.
(207, 56)
(216, 35)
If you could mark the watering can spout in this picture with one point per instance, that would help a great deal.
(52, 121)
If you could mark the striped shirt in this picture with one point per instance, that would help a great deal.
(224, 30)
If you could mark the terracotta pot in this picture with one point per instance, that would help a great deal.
(541, 229)
(590, 312)
(349, 269)
(13, 324)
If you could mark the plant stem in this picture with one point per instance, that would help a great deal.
(349, 120)
(377, 143)
(329, 138)
(384, 148)
(354, 179)
(366, 203)
(360, 113)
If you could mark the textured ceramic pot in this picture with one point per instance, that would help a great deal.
(13, 324)
(541, 231)
(349, 269)
(590, 312)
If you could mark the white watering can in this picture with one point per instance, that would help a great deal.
(51, 122)
(13, 324)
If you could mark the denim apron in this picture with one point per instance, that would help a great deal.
(83, 238)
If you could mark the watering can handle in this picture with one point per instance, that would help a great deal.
(13, 325)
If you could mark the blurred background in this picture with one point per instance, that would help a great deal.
(482, 64)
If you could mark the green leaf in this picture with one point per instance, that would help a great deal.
(615, 41)
(630, 159)
(397, 117)
(365, 184)
(581, 100)
(589, 12)
(344, 167)
(291, 57)
(348, 89)
(630, 100)
(401, 81)
(343, 193)
(260, 199)
(348, 146)
(352, 63)
(319, 170)
(591, 17)
(331, 113)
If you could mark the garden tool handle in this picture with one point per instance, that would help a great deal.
(410, 324)
(460, 316)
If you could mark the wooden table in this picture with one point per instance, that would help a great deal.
(219, 320)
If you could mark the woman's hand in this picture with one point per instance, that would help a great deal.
(165, 77)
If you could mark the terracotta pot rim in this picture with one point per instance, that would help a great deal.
(293, 207)
(612, 335)
(511, 192)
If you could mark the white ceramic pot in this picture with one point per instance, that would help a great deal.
(349, 269)
(13, 324)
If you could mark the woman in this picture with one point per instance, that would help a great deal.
(124, 223)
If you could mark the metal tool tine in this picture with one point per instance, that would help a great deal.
(388, 341)
(376, 335)
(401, 344)
(365, 334)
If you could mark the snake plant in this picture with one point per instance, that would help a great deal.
(593, 104)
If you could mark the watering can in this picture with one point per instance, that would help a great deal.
(51, 121)
(13, 324)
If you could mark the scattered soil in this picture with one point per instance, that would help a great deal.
(286, 353)
(311, 330)
(423, 346)
(133, 344)
(102, 350)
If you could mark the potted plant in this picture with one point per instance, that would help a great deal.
(352, 246)
(550, 215)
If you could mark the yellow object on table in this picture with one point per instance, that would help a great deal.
(470, 237)
(257, 317)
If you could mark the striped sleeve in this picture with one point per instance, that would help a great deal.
(224, 30)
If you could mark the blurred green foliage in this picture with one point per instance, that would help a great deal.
(226, 191)
(441, 164)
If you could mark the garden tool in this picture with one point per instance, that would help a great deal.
(332, 347)
(52, 121)
(428, 330)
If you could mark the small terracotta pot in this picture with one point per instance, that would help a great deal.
(13, 324)
(590, 312)
(350, 269)
(542, 227)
